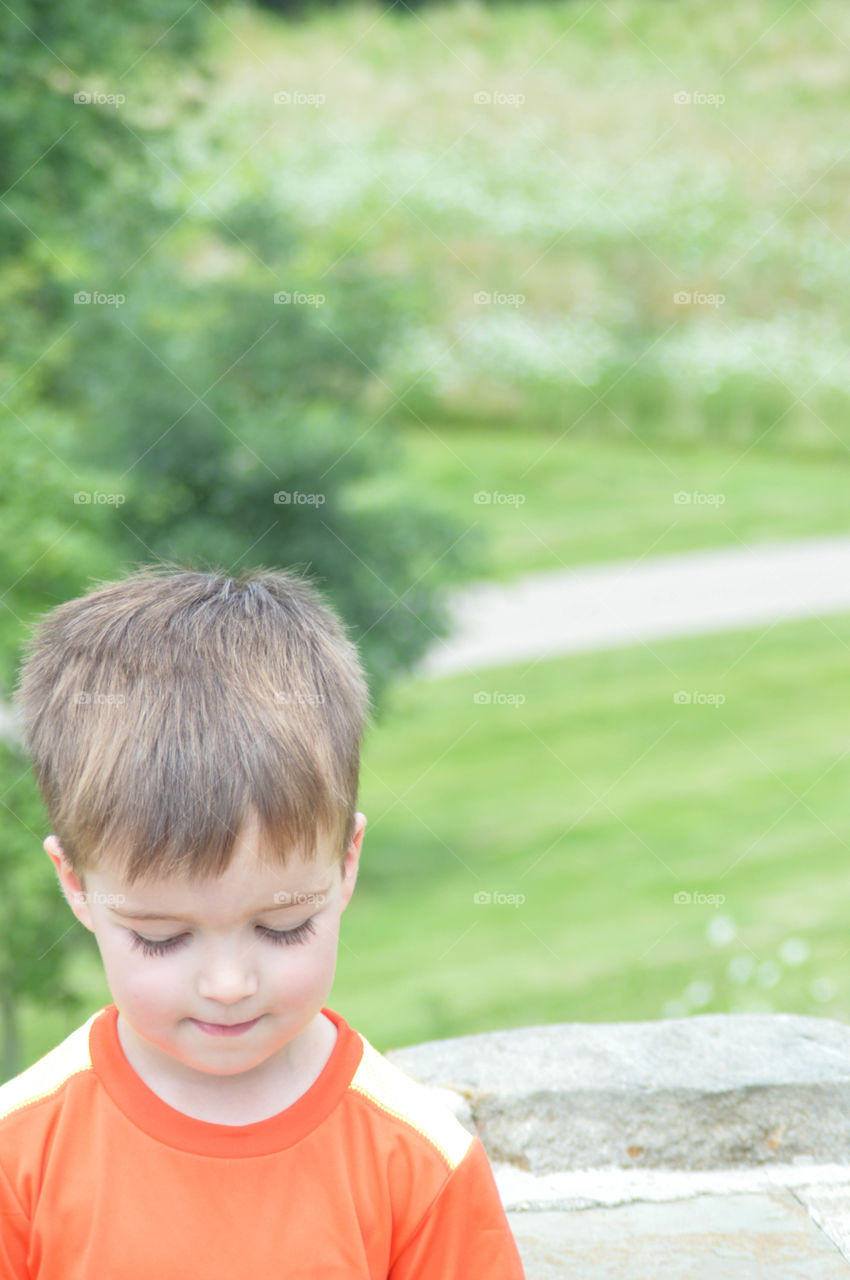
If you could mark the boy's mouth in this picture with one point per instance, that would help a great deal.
(225, 1029)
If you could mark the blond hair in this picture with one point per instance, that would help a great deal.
(165, 710)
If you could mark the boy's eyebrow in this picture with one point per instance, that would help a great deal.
(303, 897)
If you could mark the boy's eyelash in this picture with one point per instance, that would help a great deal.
(279, 937)
(286, 937)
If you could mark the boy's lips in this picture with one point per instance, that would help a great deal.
(225, 1029)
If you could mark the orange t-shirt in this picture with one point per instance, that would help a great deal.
(363, 1177)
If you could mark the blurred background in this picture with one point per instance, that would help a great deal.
(425, 296)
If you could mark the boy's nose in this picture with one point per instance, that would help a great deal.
(228, 978)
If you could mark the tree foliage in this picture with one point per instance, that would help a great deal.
(159, 401)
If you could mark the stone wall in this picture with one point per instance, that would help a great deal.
(709, 1092)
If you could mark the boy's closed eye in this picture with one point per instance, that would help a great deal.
(278, 937)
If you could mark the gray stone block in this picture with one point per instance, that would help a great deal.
(718, 1090)
(741, 1237)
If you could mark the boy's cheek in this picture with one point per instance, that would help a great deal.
(135, 978)
(328, 964)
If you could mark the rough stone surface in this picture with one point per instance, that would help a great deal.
(830, 1209)
(714, 1091)
(601, 1188)
(712, 1237)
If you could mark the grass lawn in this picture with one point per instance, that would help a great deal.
(556, 502)
(599, 799)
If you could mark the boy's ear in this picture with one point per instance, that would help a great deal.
(70, 883)
(351, 862)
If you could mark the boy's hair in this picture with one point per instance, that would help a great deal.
(164, 710)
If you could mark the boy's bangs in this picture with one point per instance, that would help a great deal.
(212, 762)
(164, 711)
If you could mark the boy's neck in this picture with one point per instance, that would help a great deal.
(242, 1099)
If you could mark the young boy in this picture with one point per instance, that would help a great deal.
(196, 739)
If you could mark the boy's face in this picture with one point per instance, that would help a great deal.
(257, 946)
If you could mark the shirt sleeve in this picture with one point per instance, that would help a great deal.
(465, 1232)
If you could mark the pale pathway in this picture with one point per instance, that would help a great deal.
(627, 602)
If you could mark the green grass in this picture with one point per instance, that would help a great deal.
(599, 798)
(555, 502)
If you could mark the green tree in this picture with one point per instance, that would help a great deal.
(59, 161)
(222, 427)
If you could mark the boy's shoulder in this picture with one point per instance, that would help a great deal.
(403, 1100)
(49, 1075)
